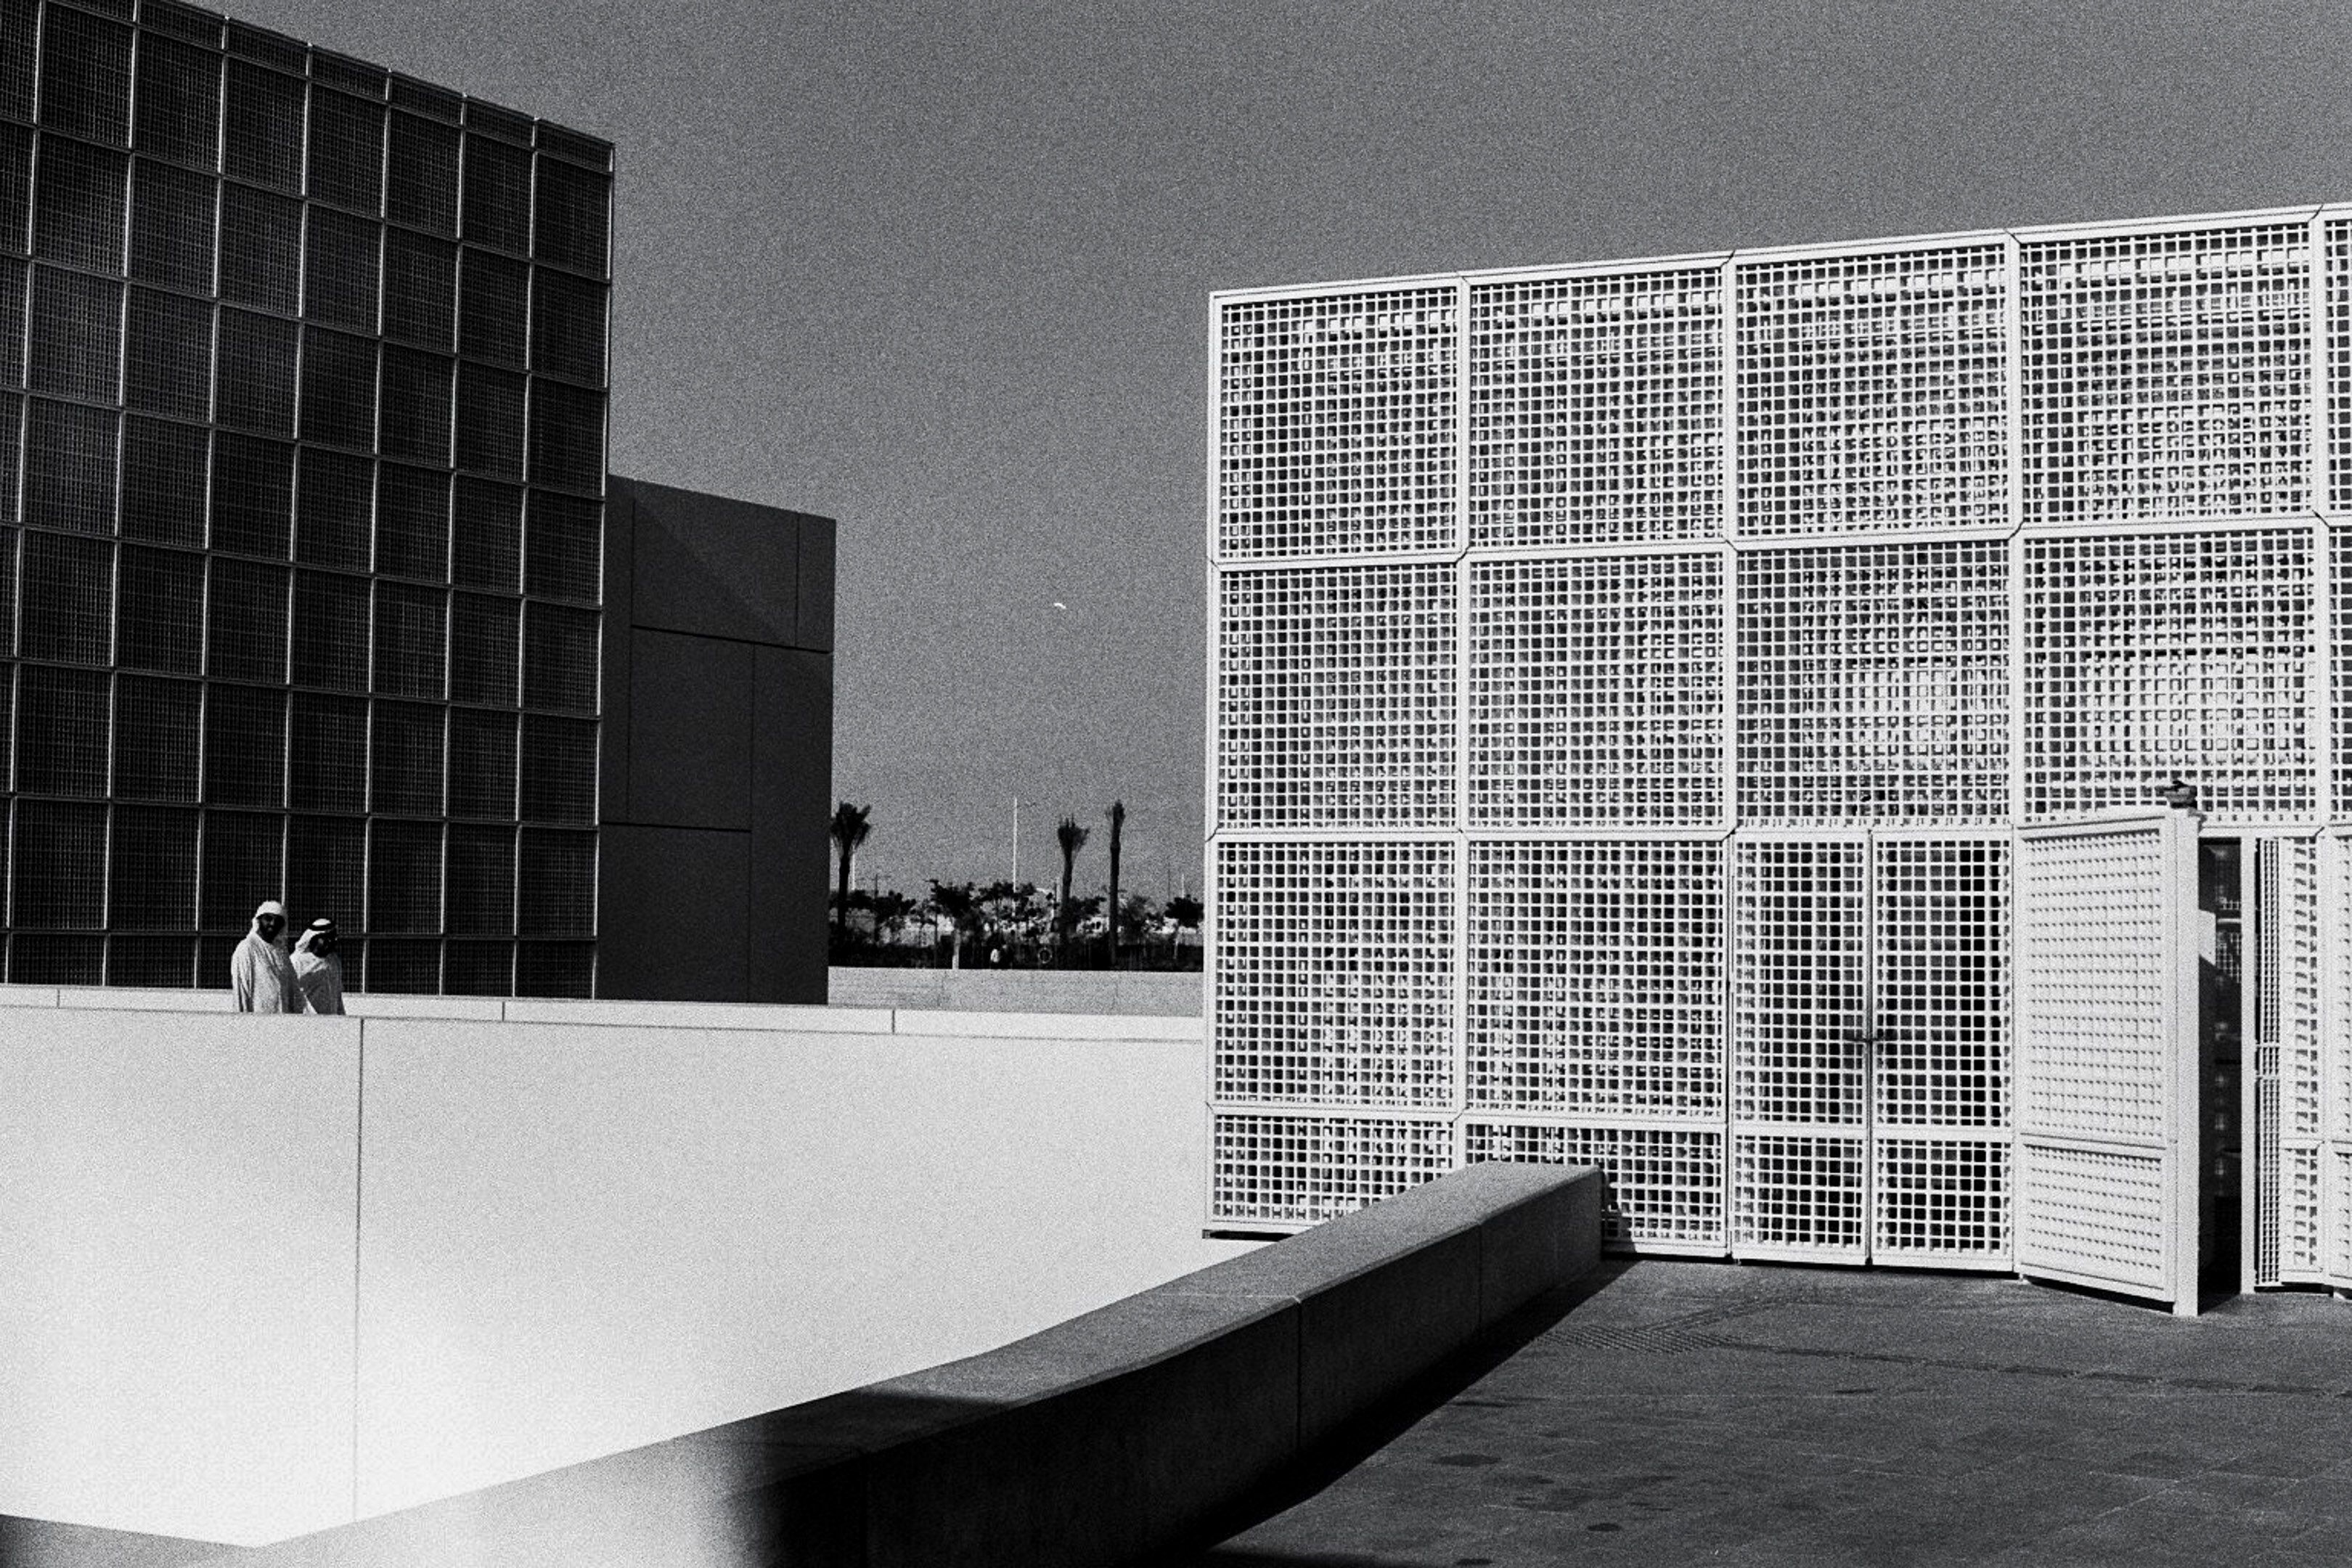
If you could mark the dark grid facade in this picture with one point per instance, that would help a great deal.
(303, 401)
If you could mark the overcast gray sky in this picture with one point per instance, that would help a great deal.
(941, 272)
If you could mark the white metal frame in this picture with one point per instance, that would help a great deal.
(2267, 770)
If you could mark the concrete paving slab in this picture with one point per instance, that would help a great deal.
(1698, 1412)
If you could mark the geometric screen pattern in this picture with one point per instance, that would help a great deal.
(303, 398)
(1337, 425)
(1596, 690)
(1731, 617)
(1872, 393)
(1595, 414)
(1340, 684)
(1873, 683)
(2156, 657)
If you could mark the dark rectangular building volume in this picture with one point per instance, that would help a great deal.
(302, 402)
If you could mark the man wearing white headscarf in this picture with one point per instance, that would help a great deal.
(261, 974)
(320, 968)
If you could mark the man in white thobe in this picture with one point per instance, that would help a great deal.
(259, 973)
(318, 968)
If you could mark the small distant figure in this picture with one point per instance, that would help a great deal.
(2180, 796)
(259, 971)
(318, 968)
(995, 956)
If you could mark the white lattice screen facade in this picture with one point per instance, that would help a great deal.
(1629, 684)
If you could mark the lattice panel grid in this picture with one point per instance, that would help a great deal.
(2302, 1243)
(1595, 978)
(1665, 1184)
(1798, 947)
(1942, 1006)
(2161, 655)
(1596, 690)
(1940, 1198)
(1335, 969)
(2335, 893)
(1302, 1169)
(2288, 979)
(1337, 697)
(1337, 425)
(2095, 1212)
(2166, 375)
(1798, 1193)
(2091, 935)
(1872, 392)
(2337, 346)
(2340, 644)
(2339, 1216)
(1596, 408)
(1873, 683)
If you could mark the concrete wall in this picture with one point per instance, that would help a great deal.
(576, 1227)
(1176, 996)
(1100, 1440)
(716, 769)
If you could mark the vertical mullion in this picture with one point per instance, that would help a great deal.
(1727, 532)
(1460, 1032)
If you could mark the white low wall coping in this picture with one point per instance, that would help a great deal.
(773, 1017)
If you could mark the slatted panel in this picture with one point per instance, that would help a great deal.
(1337, 420)
(1665, 1184)
(2167, 375)
(1596, 690)
(1337, 697)
(1335, 969)
(1595, 978)
(1873, 683)
(1596, 408)
(1872, 392)
(1304, 1169)
(2178, 655)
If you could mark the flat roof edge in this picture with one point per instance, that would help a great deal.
(1620, 265)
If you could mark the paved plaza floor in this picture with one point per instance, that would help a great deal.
(1715, 1413)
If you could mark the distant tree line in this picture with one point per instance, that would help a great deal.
(1006, 924)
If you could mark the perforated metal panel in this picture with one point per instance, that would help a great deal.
(1335, 973)
(1596, 408)
(1873, 683)
(2285, 1053)
(2171, 656)
(1302, 1169)
(2105, 1049)
(1336, 700)
(1338, 425)
(1872, 392)
(1596, 690)
(2167, 374)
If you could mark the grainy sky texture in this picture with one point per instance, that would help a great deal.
(941, 272)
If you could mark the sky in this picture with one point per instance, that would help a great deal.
(941, 272)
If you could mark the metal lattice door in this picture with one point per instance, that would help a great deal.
(2107, 1123)
(1870, 1053)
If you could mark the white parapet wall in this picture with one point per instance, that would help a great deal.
(267, 1275)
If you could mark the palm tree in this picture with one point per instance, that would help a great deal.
(1072, 838)
(959, 901)
(848, 831)
(1118, 814)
